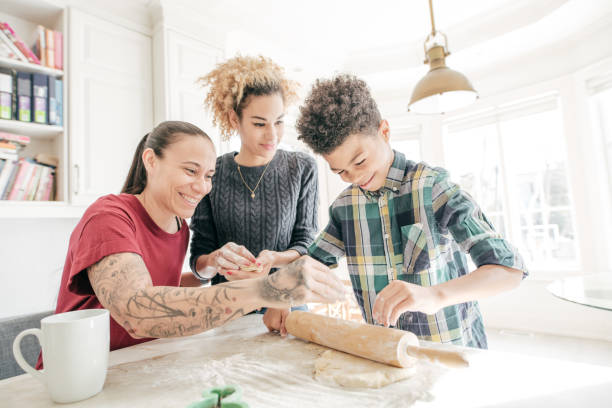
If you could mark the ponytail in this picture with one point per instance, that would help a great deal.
(136, 180)
(158, 139)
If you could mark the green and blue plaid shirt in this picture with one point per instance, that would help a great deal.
(416, 228)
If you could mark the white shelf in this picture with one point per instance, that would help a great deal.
(31, 129)
(39, 209)
(28, 67)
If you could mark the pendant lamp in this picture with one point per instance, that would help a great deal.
(442, 89)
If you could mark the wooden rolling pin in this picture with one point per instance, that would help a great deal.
(385, 345)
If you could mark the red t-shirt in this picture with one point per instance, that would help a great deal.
(114, 224)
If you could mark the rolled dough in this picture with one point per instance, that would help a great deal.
(356, 372)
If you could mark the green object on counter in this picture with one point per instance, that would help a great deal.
(228, 396)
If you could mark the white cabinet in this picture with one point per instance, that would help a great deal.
(111, 103)
(180, 61)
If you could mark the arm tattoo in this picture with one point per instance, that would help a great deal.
(291, 288)
(123, 285)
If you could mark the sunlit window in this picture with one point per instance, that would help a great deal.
(408, 142)
(514, 163)
(601, 109)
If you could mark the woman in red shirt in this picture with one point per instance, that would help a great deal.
(127, 251)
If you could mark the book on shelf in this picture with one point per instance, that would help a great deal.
(59, 100)
(20, 45)
(29, 97)
(8, 49)
(11, 144)
(6, 52)
(21, 178)
(7, 153)
(8, 170)
(40, 98)
(6, 93)
(15, 138)
(54, 101)
(26, 179)
(48, 46)
(46, 180)
(13, 52)
(47, 159)
(23, 111)
(38, 46)
(59, 50)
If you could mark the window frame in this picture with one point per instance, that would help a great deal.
(580, 151)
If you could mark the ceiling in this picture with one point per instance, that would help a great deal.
(351, 25)
(383, 40)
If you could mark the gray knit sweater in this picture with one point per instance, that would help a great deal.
(282, 216)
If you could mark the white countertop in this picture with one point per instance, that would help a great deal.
(593, 290)
(276, 372)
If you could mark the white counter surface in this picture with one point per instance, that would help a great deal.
(276, 372)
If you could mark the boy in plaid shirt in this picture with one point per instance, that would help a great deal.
(403, 226)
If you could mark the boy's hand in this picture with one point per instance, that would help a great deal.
(399, 297)
(274, 319)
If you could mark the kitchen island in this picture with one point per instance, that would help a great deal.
(277, 372)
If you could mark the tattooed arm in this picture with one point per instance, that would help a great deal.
(123, 285)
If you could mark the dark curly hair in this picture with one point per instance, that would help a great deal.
(335, 109)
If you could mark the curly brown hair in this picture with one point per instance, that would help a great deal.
(335, 109)
(235, 80)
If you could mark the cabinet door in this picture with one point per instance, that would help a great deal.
(189, 59)
(110, 104)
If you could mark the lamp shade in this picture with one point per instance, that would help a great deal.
(441, 90)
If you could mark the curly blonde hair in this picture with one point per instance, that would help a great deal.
(233, 81)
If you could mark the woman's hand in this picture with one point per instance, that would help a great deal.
(266, 260)
(274, 319)
(302, 281)
(231, 258)
(399, 297)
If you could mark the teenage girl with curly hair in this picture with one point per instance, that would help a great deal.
(261, 213)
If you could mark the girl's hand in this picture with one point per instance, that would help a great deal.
(399, 297)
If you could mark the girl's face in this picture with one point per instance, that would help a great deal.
(183, 176)
(261, 125)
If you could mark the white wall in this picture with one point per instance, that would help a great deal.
(32, 253)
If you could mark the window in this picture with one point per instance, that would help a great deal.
(601, 110)
(600, 101)
(407, 141)
(473, 158)
(513, 161)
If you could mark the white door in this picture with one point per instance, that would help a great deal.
(188, 60)
(110, 104)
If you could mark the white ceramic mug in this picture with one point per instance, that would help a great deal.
(75, 353)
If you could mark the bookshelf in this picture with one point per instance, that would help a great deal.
(24, 16)
(34, 130)
(27, 67)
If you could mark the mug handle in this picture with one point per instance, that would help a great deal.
(19, 357)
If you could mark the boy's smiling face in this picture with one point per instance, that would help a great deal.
(363, 159)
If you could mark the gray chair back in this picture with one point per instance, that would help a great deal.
(10, 327)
